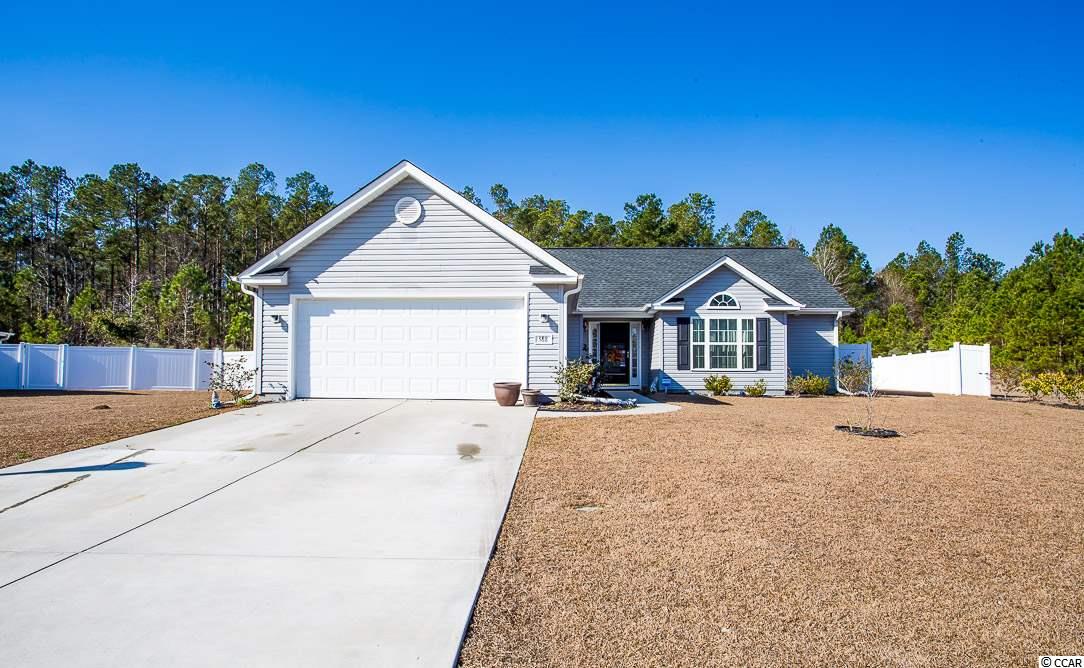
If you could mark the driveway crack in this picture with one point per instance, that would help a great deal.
(186, 504)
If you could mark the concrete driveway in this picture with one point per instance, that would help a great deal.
(304, 533)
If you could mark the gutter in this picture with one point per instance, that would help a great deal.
(563, 333)
(255, 302)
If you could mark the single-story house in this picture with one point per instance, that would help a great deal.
(406, 289)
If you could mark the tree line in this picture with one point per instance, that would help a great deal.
(131, 259)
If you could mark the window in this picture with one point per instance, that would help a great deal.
(724, 349)
(748, 344)
(723, 300)
(698, 343)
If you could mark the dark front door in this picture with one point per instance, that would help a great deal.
(614, 343)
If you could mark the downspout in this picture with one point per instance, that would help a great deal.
(835, 349)
(255, 348)
(563, 333)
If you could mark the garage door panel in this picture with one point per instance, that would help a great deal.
(421, 349)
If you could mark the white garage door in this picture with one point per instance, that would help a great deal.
(443, 349)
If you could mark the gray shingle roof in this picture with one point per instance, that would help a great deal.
(543, 270)
(632, 277)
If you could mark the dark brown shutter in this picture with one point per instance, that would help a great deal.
(764, 344)
(683, 344)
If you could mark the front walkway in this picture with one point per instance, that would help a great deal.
(305, 533)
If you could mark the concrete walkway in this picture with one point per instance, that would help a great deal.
(303, 533)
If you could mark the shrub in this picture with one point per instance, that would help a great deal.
(757, 389)
(1007, 378)
(810, 383)
(1033, 387)
(1057, 385)
(234, 377)
(856, 379)
(717, 385)
(575, 378)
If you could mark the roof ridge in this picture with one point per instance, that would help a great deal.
(669, 248)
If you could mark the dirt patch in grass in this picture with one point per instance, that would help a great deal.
(754, 534)
(39, 424)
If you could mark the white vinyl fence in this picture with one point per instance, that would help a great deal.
(961, 369)
(31, 366)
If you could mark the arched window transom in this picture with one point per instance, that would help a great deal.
(723, 300)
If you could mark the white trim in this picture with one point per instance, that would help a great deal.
(277, 279)
(710, 307)
(820, 311)
(738, 342)
(554, 280)
(295, 299)
(594, 325)
(667, 307)
(379, 186)
(727, 261)
(778, 308)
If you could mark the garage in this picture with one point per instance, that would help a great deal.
(408, 348)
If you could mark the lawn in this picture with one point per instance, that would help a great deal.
(39, 424)
(748, 532)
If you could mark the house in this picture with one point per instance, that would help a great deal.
(406, 289)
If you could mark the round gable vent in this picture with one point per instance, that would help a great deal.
(408, 211)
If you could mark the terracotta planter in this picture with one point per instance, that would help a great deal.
(506, 393)
(530, 397)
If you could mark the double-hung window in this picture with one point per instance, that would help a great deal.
(730, 344)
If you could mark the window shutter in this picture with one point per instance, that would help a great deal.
(683, 344)
(764, 344)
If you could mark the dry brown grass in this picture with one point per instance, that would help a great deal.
(39, 424)
(748, 533)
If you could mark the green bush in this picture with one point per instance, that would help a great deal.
(1056, 385)
(717, 385)
(757, 389)
(810, 383)
(575, 378)
(1033, 387)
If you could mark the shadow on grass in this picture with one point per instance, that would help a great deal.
(71, 393)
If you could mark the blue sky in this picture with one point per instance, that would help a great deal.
(896, 123)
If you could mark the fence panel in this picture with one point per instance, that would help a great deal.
(42, 367)
(951, 371)
(9, 366)
(975, 370)
(97, 368)
(60, 367)
(206, 359)
(163, 369)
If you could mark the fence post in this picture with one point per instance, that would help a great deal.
(24, 364)
(195, 369)
(62, 367)
(131, 367)
(959, 366)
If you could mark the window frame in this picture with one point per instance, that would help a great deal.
(742, 324)
(723, 307)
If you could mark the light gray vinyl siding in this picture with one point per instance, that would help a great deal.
(542, 359)
(575, 337)
(811, 344)
(655, 367)
(751, 303)
(446, 250)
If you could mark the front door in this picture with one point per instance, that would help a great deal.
(614, 346)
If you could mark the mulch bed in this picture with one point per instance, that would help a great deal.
(40, 424)
(726, 534)
(578, 407)
(876, 432)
